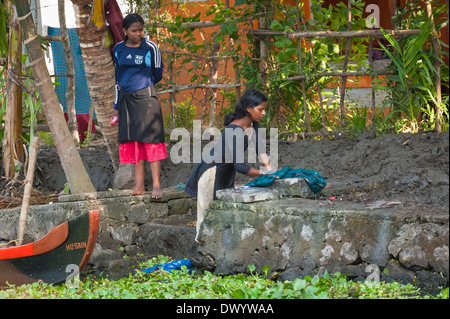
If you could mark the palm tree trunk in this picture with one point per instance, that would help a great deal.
(12, 140)
(99, 69)
(76, 174)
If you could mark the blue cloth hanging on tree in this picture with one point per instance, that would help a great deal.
(313, 178)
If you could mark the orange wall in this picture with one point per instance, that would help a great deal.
(225, 71)
(181, 73)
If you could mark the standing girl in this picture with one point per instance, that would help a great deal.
(138, 66)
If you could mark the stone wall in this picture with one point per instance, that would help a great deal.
(297, 237)
(130, 226)
(281, 226)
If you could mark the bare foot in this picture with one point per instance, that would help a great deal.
(157, 193)
(138, 191)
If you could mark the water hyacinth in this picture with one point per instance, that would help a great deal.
(188, 284)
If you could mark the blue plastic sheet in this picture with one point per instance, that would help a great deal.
(169, 266)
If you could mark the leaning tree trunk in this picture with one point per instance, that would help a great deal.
(95, 43)
(76, 174)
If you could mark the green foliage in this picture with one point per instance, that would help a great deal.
(185, 113)
(412, 92)
(286, 98)
(46, 138)
(444, 294)
(331, 51)
(412, 84)
(358, 117)
(31, 104)
(412, 15)
(2, 100)
(287, 101)
(183, 284)
(3, 34)
(66, 188)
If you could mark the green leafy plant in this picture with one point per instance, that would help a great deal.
(187, 285)
(184, 114)
(267, 64)
(2, 101)
(358, 117)
(3, 34)
(412, 86)
(413, 72)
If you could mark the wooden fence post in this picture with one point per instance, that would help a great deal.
(27, 192)
(344, 68)
(437, 65)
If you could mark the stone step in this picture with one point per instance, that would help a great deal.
(247, 195)
(293, 187)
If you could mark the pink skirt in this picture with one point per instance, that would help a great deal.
(133, 152)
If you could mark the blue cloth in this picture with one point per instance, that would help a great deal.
(171, 265)
(313, 178)
(82, 97)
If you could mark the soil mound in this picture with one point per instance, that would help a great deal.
(410, 168)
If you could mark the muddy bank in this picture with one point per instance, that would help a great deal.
(410, 168)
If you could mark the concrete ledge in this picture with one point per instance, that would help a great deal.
(169, 194)
(247, 195)
(294, 187)
(298, 237)
(297, 187)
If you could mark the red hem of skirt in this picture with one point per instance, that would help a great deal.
(133, 152)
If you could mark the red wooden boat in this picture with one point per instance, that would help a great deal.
(54, 257)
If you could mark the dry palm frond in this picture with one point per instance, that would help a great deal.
(12, 194)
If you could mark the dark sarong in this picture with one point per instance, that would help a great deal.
(140, 117)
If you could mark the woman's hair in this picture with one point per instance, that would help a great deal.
(130, 19)
(251, 98)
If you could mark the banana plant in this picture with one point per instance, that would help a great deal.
(3, 55)
(2, 100)
(3, 33)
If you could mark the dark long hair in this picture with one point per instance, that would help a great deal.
(130, 19)
(251, 98)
